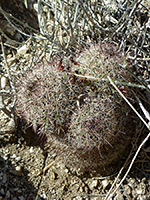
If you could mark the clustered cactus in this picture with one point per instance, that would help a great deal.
(46, 98)
(78, 105)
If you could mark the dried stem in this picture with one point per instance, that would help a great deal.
(109, 194)
(2, 104)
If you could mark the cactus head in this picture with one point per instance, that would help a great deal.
(95, 125)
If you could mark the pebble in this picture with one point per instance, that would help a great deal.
(18, 170)
(22, 50)
(77, 198)
(35, 6)
(4, 179)
(18, 158)
(105, 183)
(66, 170)
(54, 155)
(13, 156)
(119, 195)
(13, 162)
(6, 150)
(93, 184)
(127, 189)
(54, 175)
(131, 182)
(3, 82)
(139, 191)
(8, 194)
(31, 150)
(21, 198)
(5, 157)
(43, 195)
(12, 124)
(2, 191)
(86, 189)
(53, 191)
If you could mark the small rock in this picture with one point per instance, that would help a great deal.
(2, 191)
(18, 170)
(105, 183)
(13, 162)
(5, 157)
(18, 159)
(119, 195)
(9, 56)
(6, 151)
(43, 195)
(77, 198)
(54, 175)
(21, 198)
(8, 195)
(66, 170)
(127, 189)
(53, 191)
(54, 155)
(13, 156)
(12, 60)
(12, 124)
(3, 82)
(139, 192)
(31, 150)
(93, 184)
(4, 181)
(35, 6)
(143, 180)
(131, 182)
(22, 50)
(86, 190)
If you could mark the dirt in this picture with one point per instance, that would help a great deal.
(21, 162)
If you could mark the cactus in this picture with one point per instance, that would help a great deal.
(79, 107)
(46, 98)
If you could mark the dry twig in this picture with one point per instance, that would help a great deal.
(109, 194)
(2, 104)
(45, 168)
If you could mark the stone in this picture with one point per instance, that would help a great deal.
(18, 170)
(105, 183)
(93, 184)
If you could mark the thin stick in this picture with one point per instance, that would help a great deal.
(138, 150)
(109, 195)
(92, 78)
(2, 104)
(141, 118)
(7, 67)
(45, 169)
